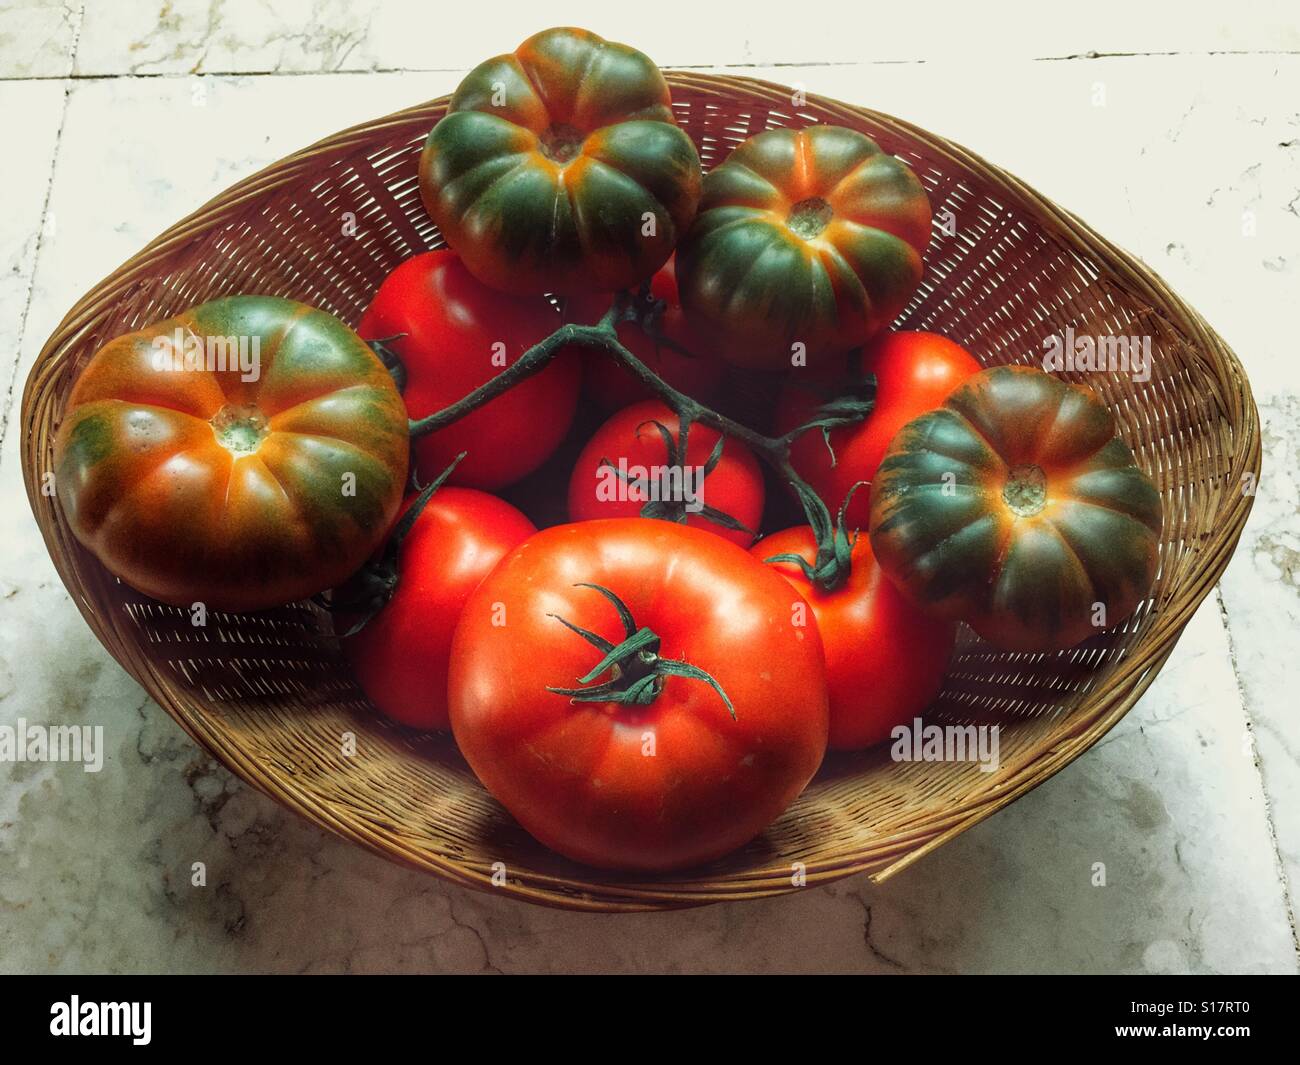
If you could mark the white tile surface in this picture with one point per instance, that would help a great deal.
(31, 114)
(1199, 828)
(38, 37)
(252, 36)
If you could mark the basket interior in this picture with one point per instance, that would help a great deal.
(271, 696)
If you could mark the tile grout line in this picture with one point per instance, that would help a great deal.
(773, 65)
(7, 402)
(1279, 864)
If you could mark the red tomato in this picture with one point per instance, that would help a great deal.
(914, 374)
(401, 656)
(609, 383)
(647, 787)
(455, 327)
(632, 442)
(885, 659)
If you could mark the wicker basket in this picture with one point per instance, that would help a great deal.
(269, 696)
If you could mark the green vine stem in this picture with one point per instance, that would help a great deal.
(831, 563)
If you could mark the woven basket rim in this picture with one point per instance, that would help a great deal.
(1127, 681)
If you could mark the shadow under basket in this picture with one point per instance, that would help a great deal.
(269, 695)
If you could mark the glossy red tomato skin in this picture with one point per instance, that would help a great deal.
(608, 382)
(885, 658)
(735, 486)
(574, 774)
(452, 323)
(401, 656)
(915, 372)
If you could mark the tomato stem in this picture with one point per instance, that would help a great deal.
(832, 562)
(833, 566)
(382, 347)
(679, 509)
(636, 667)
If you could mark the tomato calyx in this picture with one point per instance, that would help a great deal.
(841, 406)
(832, 563)
(646, 312)
(636, 668)
(672, 502)
(561, 143)
(363, 595)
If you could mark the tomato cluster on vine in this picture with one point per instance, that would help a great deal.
(682, 509)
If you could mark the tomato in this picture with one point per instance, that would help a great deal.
(560, 168)
(246, 453)
(1014, 507)
(885, 658)
(455, 334)
(810, 237)
(626, 470)
(662, 785)
(401, 655)
(611, 385)
(915, 372)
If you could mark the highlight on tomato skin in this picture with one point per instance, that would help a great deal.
(649, 787)
(452, 334)
(885, 657)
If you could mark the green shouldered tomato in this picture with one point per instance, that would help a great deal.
(1014, 507)
(247, 453)
(807, 237)
(560, 167)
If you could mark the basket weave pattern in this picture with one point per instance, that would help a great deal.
(269, 695)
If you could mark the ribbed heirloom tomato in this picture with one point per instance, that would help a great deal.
(634, 464)
(1015, 507)
(915, 372)
(197, 472)
(599, 732)
(402, 654)
(810, 237)
(560, 168)
(454, 334)
(885, 658)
